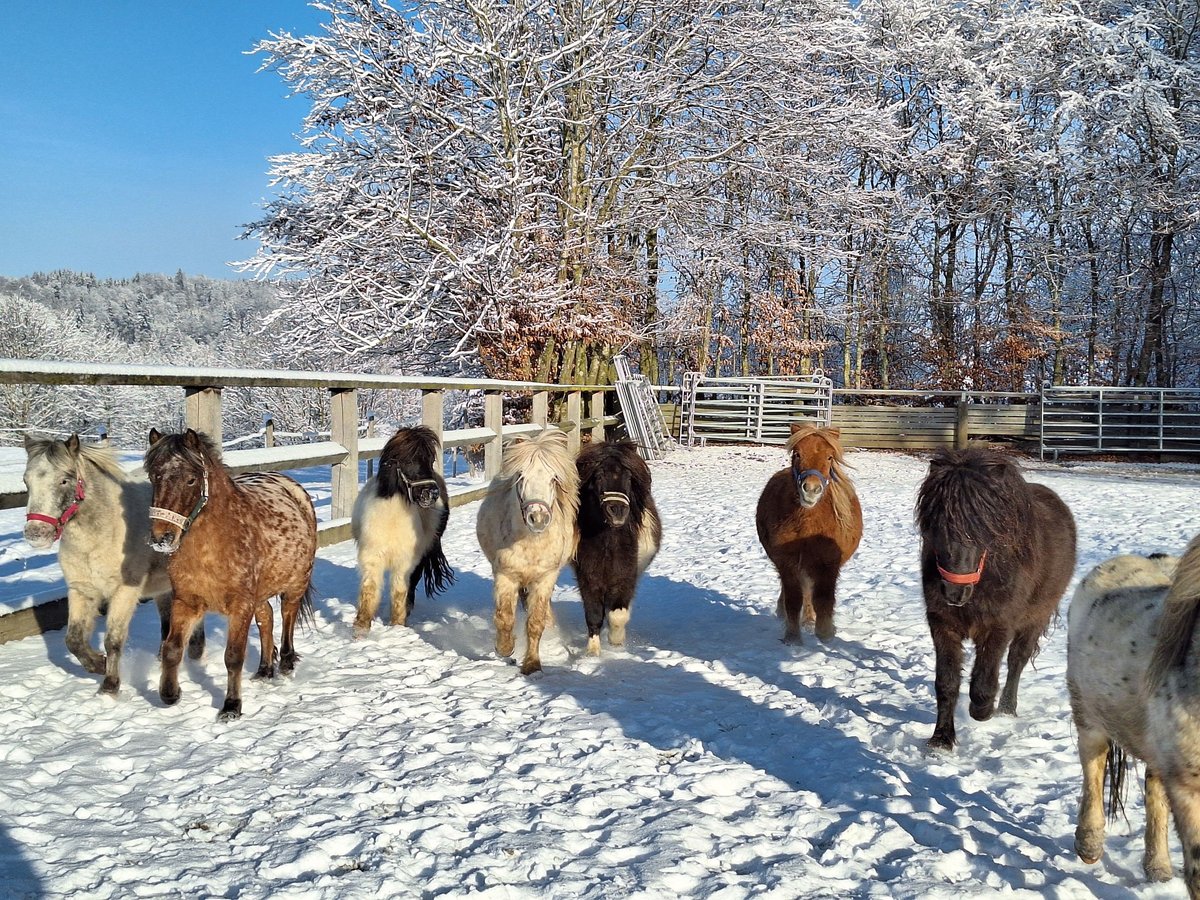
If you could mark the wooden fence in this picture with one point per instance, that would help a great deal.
(345, 448)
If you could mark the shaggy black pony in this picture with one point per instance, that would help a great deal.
(619, 534)
(996, 555)
(398, 522)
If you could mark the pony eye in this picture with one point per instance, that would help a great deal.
(192, 480)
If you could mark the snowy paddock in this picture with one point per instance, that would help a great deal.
(706, 759)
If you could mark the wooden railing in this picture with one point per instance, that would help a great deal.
(345, 448)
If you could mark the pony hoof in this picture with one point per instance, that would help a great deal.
(982, 712)
(361, 631)
(96, 665)
(287, 664)
(593, 646)
(170, 698)
(505, 648)
(110, 686)
(1090, 849)
(795, 638)
(529, 667)
(1159, 872)
(826, 634)
(940, 743)
(265, 672)
(230, 711)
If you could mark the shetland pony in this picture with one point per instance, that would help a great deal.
(80, 493)
(398, 521)
(526, 528)
(234, 542)
(1133, 672)
(809, 522)
(997, 554)
(619, 534)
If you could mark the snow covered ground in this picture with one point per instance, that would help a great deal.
(706, 759)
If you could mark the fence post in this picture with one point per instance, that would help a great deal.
(596, 411)
(493, 449)
(343, 406)
(541, 408)
(574, 415)
(269, 431)
(433, 414)
(962, 429)
(202, 411)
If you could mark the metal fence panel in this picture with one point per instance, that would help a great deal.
(1119, 420)
(761, 410)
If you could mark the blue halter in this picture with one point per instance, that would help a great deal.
(820, 476)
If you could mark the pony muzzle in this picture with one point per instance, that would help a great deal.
(166, 539)
(810, 496)
(615, 506)
(40, 531)
(536, 514)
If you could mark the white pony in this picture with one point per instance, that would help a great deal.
(1133, 671)
(526, 528)
(81, 494)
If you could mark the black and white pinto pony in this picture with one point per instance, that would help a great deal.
(1133, 672)
(398, 522)
(619, 535)
(80, 493)
(526, 528)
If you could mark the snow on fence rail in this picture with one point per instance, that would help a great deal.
(346, 445)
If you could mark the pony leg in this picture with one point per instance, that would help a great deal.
(820, 600)
(185, 613)
(536, 619)
(593, 614)
(402, 597)
(505, 592)
(116, 631)
(265, 618)
(947, 648)
(985, 674)
(1156, 862)
(195, 642)
(81, 622)
(617, 620)
(370, 588)
(235, 658)
(1185, 806)
(1023, 646)
(1093, 758)
(794, 589)
(291, 605)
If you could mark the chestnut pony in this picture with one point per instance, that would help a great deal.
(996, 555)
(234, 542)
(809, 522)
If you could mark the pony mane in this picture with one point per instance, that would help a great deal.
(841, 487)
(973, 495)
(57, 454)
(1180, 610)
(550, 449)
(209, 454)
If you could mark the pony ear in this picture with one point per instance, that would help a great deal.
(155, 436)
(192, 439)
(796, 426)
(835, 433)
(30, 440)
(73, 445)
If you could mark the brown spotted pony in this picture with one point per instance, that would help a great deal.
(997, 553)
(235, 541)
(810, 522)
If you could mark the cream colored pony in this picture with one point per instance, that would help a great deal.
(1133, 671)
(526, 528)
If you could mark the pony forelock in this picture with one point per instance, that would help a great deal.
(549, 448)
(169, 445)
(55, 452)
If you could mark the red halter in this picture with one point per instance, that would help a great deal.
(66, 516)
(967, 578)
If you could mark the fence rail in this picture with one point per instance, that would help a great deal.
(1119, 420)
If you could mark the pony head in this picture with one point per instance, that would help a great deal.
(55, 488)
(408, 467)
(816, 461)
(544, 477)
(972, 503)
(178, 468)
(614, 478)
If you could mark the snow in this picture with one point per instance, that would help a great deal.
(706, 759)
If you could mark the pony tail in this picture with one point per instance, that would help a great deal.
(1116, 766)
(308, 615)
(435, 570)
(1180, 610)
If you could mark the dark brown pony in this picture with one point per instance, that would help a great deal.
(996, 555)
(235, 542)
(619, 535)
(809, 522)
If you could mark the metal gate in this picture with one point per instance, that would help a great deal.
(761, 410)
(1119, 420)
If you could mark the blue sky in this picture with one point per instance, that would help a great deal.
(134, 136)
